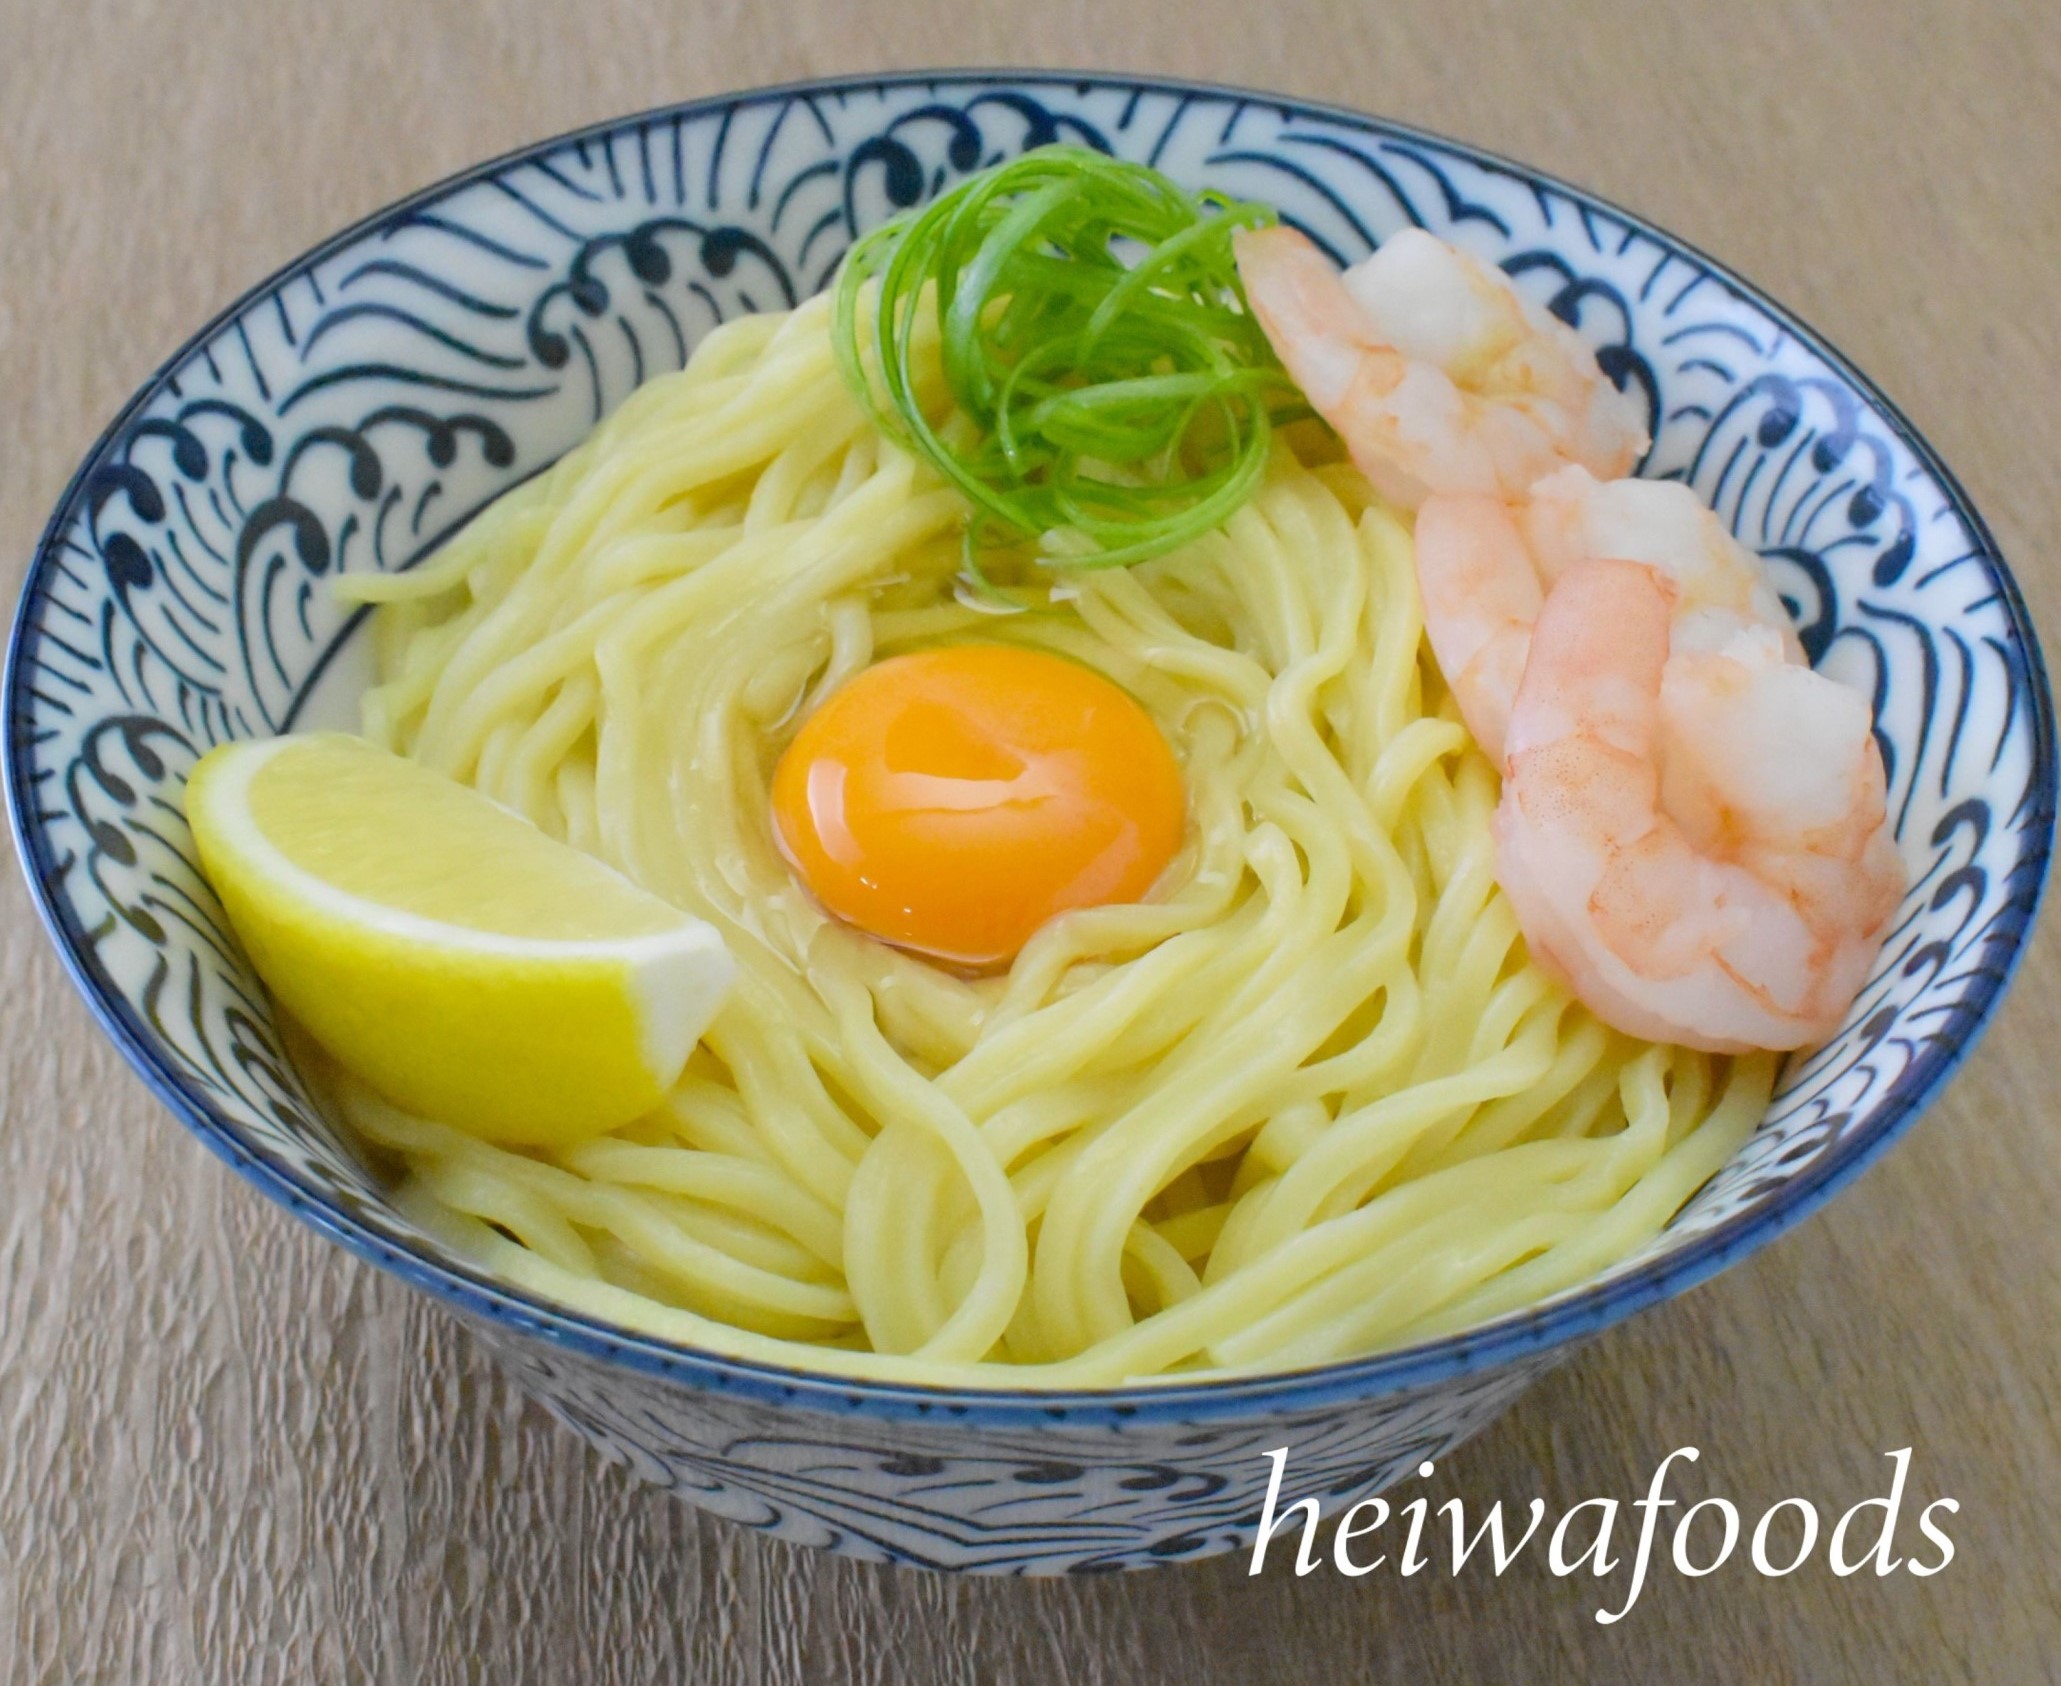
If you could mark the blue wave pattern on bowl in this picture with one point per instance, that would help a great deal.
(352, 412)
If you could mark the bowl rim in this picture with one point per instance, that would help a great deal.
(1527, 1334)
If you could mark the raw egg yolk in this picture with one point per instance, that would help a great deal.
(951, 801)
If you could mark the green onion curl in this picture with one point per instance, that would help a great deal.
(1094, 335)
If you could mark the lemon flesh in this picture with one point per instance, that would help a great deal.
(459, 960)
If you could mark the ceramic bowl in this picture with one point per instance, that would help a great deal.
(351, 411)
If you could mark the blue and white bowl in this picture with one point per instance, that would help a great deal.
(353, 410)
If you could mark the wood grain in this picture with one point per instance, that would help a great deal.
(232, 1454)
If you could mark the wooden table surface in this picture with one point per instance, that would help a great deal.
(230, 1453)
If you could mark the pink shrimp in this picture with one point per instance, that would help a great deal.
(1484, 564)
(1696, 841)
(1437, 373)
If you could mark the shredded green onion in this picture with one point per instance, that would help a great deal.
(1094, 336)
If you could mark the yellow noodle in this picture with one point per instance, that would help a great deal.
(1311, 1099)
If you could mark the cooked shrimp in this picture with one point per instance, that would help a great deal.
(1438, 374)
(1484, 564)
(1482, 590)
(1695, 841)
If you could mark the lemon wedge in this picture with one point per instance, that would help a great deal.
(458, 959)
